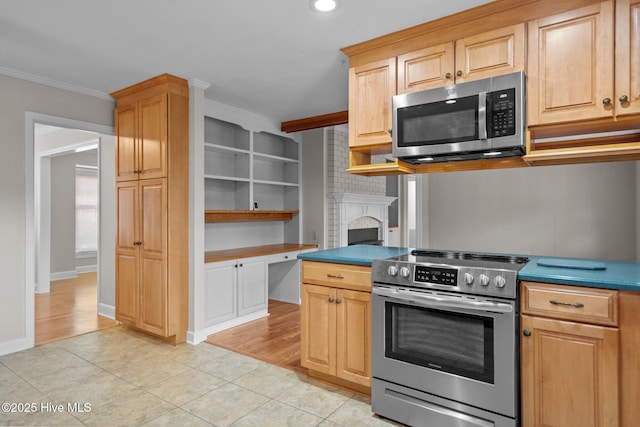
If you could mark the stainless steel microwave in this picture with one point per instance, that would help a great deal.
(467, 121)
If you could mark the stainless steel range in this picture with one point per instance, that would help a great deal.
(445, 339)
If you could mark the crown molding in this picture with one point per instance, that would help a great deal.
(54, 83)
(200, 84)
(247, 119)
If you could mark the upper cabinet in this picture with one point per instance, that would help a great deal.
(373, 85)
(581, 59)
(475, 57)
(571, 66)
(585, 64)
(141, 142)
(628, 56)
(371, 88)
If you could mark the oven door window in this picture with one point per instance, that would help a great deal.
(461, 344)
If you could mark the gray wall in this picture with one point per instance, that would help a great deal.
(586, 211)
(63, 205)
(314, 178)
(18, 97)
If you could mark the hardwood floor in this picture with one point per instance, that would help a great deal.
(274, 339)
(70, 309)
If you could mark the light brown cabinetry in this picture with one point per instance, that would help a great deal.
(571, 66)
(475, 57)
(582, 59)
(152, 207)
(583, 82)
(584, 64)
(141, 146)
(141, 261)
(569, 360)
(336, 323)
(371, 88)
(373, 85)
(627, 56)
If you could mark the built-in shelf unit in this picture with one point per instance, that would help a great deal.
(251, 176)
(247, 170)
(252, 179)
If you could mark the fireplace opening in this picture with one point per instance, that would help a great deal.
(364, 236)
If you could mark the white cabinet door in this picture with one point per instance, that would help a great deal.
(220, 291)
(252, 285)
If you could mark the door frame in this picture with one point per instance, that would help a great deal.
(31, 119)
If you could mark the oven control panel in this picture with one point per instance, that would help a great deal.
(463, 279)
(440, 276)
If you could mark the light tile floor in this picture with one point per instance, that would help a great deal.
(117, 377)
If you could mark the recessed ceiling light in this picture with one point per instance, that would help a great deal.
(324, 5)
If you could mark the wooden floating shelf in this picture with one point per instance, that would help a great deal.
(247, 215)
(589, 154)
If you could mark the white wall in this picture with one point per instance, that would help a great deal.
(585, 211)
(18, 97)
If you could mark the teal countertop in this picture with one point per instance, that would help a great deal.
(356, 254)
(619, 275)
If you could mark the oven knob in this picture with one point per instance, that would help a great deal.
(405, 272)
(392, 270)
(468, 278)
(484, 279)
(499, 282)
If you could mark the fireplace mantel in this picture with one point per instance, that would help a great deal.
(351, 206)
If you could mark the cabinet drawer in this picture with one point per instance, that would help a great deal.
(586, 305)
(345, 276)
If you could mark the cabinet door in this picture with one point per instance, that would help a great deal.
(353, 326)
(426, 68)
(126, 143)
(569, 374)
(492, 53)
(627, 57)
(318, 328)
(220, 294)
(570, 66)
(152, 144)
(153, 310)
(252, 285)
(126, 251)
(371, 88)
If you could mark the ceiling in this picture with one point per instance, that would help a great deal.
(276, 58)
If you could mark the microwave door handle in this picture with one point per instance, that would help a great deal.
(482, 115)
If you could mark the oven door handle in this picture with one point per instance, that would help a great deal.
(442, 301)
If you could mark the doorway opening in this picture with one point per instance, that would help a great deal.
(67, 228)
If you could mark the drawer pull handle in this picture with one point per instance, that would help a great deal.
(332, 276)
(576, 305)
(331, 299)
(338, 300)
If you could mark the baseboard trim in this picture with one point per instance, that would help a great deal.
(14, 346)
(87, 268)
(62, 275)
(201, 335)
(106, 310)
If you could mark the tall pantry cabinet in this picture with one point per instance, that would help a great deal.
(152, 196)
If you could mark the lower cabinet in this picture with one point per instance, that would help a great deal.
(569, 356)
(336, 324)
(235, 288)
